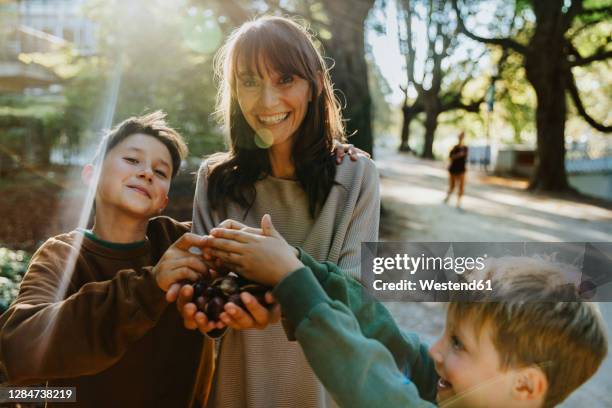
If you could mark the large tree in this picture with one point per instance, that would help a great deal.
(548, 57)
(437, 90)
(346, 45)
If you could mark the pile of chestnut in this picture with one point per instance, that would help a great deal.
(211, 297)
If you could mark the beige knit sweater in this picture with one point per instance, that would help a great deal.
(261, 368)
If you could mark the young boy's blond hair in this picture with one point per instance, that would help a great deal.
(536, 319)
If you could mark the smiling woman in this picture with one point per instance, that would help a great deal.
(277, 104)
(274, 104)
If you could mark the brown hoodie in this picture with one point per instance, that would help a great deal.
(112, 335)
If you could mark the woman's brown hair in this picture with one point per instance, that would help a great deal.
(285, 47)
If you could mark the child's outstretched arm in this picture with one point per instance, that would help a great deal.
(44, 338)
(356, 370)
(264, 256)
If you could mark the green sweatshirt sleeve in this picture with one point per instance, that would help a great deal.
(352, 342)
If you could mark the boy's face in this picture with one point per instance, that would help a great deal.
(135, 177)
(469, 369)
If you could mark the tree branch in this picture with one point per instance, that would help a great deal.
(456, 103)
(573, 90)
(583, 27)
(502, 42)
(597, 10)
(574, 9)
(472, 106)
(599, 56)
(416, 107)
(405, 8)
(436, 73)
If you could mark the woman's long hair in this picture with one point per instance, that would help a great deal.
(285, 47)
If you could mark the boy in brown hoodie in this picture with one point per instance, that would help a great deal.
(103, 325)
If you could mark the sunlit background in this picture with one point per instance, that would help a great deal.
(409, 79)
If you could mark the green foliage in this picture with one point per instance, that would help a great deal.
(382, 112)
(47, 114)
(166, 52)
(517, 100)
(28, 128)
(13, 264)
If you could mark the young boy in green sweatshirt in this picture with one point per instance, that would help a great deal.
(528, 350)
(92, 310)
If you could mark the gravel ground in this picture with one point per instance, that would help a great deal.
(494, 209)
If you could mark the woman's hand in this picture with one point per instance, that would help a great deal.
(341, 149)
(192, 317)
(256, 316)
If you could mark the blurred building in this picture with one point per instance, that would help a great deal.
(515, 161)
(43, 23)
(31, 27)
(35, 38)
(589, 174)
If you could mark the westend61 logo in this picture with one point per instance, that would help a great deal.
(413, 264)
(441, 271)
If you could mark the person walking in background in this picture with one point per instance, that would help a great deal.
(456, 169)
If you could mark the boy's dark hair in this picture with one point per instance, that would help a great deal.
(154, 125)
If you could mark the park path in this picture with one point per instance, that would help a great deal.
(494, 209)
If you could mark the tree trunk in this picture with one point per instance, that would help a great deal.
(433, 108)
(350, 73)
(405, 136)
(431, 123)
(547, 72)
(549, 174)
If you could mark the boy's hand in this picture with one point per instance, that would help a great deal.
(179, 264)
(263, 258)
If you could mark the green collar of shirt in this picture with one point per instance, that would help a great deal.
(112, 245)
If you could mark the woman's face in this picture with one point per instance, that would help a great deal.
(273, 104)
